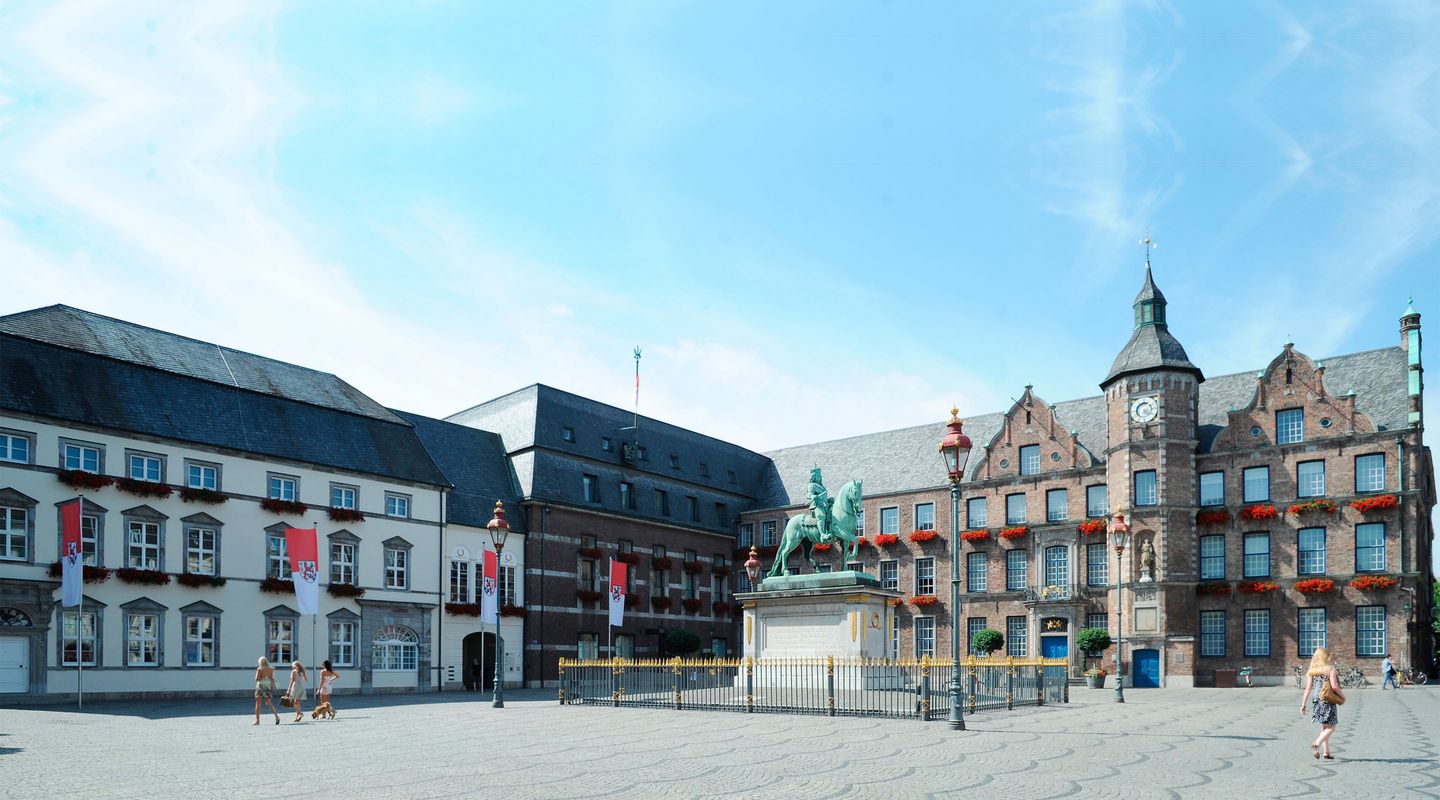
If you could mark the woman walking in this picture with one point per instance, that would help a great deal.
(264, 688)
(296, 691)
(328, 676)
(1322, 712)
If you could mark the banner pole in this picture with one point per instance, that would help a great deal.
(314, 645)
(80, 616)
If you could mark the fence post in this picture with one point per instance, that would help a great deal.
(1010, 684)
(562, 681)
(925, 688)
(749, 684)
(675, 679)
(1040, 681)
(614, 688)
(830, 685)
(974, 685)
(1065, 682)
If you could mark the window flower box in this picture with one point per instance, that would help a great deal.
(143, 488)
(1322, 504)
(588, 552)
(660, 603)
(694, 567)
(921, 537)
(588, 595)
(1014, 533)
(199, 581)
(720, 571)
(510, 610)
(768, 551)
(278, 586)
(922, 600)
(1262, 511)
(691, 604)
(628, 558)
(633, 599)
(92, 574)
(886, 539)
(975, 535)
(1091, 526)
(345, 590)
(277, 506)
(463, 609)
(721, 608)
(822, 547)
(152, 577)
(344, 514)
(80, 479)
(1212, 588)
(663, 562)
(1258, 587)
(210, 496)
(1314, 585)
(1374, 583)
(861, 541)
(1212, 516)
(1379, 503)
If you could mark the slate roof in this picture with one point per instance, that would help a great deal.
(75, 329)
(474, 461)
(75, 385)
(1151, 345)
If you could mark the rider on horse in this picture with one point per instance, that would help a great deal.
(821, 505)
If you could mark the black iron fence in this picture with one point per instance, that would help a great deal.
(917, 689)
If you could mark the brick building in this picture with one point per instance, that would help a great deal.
(1241, 486)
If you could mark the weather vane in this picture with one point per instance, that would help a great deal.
(1149, 244)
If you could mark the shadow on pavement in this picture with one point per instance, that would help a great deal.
(245, 706)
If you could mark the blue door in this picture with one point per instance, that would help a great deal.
(1054, 647)
(1146, 665)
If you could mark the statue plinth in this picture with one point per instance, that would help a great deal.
(840, 614)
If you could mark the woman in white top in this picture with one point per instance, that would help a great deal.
(264, 687)
(328, 676)
(296, 692)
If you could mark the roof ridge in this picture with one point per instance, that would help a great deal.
(1252, 372)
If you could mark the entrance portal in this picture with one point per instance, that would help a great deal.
(1054, 647)
(479, 648)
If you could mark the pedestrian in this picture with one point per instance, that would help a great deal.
(264, 688)
(296, 691)
(1322, 712)
(328, 676)
(477, 678)
(1387, 668)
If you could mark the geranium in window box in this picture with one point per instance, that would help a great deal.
(720, 571)
(463, 609)
(588, 552)
(691, 604)
(1212, 516)
(694, 567)
(886, 539)
(1258, 587)
(344, 514)
(588, 595)
(921, 537)
(143, 488)
(1374, 583)
(345, 590)
(978, 535)
(277, 506)
(1262, 511)
(278, 586)
(1212, 588)
(721, 607)
(511, 610)
(660, 603)
(662, 562)
(80, 479)
(1314, 585)
(1319, 505)
(628, 558)
(1378, 503)
(861, 541)
(195, 581)
(823, 547)
(193, 495)
(152, 577)
(1091, 526)
(92, 574)
(768, 551)
(633, 599)
(1018, 532)
(922, 600)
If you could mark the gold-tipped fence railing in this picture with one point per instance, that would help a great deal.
(913, 688)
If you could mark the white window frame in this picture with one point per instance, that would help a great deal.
(1030, 459)
(15, 524)
(342, 643)
(1051, 513)
(1017, 570)
(343, 495)
(1371, 563)
(890, 574)
(459, 589)
(198, 638)
(924, 576)
(747, 534)
(1217, 482)
(972, 585)
(92, 539)
(139, 549)
(149, 633)
(73, 456)
(277, 557)
(1249, 557)
(1097, 570)
(1312, 484)
(397, 568)
(767, 533)
(151, 466)
(196, 549)
(196, 473)
(506, 593)
(924, 516)
(970, 506)
(890, 520)
(1056, 563)
(1016, 515)
(395, 648)
(1091, 510)
(1247, 483)
(1290, 426)
(1309, 634)
(342, 562)
(1371, 629)
(282, 487)
(1148, 493)
(1373, 476)
(1306, 557)
(1212, 635)
(397, 505)
(69, 623)
(1257, 633)
(281, 644)
(17, 447)
(1017, 636)
(1210, 558)
(924, 637)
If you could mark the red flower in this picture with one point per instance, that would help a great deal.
(861, 541)
(920, 537)
(886, 539)
(509, 610)
(1322, 504)
(1314, 585)
(721, 607)
(1258, 587)
(1213, 516)
(1017, 532)
(80, 479)
(143, 488)
(463, 609)
(691, 604)
(1374, 582)
(1263, 511)
(1379, 503)
(344, 514)
(921, 600)
(979, 535)
(275, 506)
(1092, 526)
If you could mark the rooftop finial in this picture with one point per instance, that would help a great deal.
(1148, 244)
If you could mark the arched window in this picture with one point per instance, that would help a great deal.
(14, 618)
(396, 649)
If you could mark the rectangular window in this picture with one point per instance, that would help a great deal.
(976, 572)
(459, 581)
(924, 576)
(77, 639)
(1310, 552)
(1257, 632)
(142, 545)
(747, 534)
(284, 487)
(200, 551)
(1256, 563)
(145, 467)
(277, 557)
(973, 626)
(890, 520)
(1257, 484)
(606, 444)
(1370, 631)
(694, 505)
(15, 447)
(924, 637)
(342, 644)
(397, 505)
(342, 562)
(89, 539)
(1016, 636)
(1147, 492)
(860, 522)
(1017, 565)
(1057, 505)
(1290, 426)
(1212, 558)
(894, 636)
(588, 577)
(1030, 459)
(202, 476)
(280, 642)
(1057, 566)
(589, 489)
(81, 457)
(1212, 488)
(1014, 509)
(1212, 633)
(722, 515)
(142, 640)
(1370, 547)
(767, 533)
(1097, 501)
(506, 595)
(1310, 479)
(1097, 567)
(975, 513)
(14, 534)
(890, 575)
(199, 641)
(627, 495)
(925, 517)
(396, 568)
(662, 502)
(854, 566)
(588, 647)
(343, 496)
(567, 434)
(1370, 473)
(1312, 629)
(1101, 621)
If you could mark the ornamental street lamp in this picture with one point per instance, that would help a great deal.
(752, 570)
(955, 451)
(1120, 538)
(499, 531)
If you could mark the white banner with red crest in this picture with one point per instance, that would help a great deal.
(304, 553)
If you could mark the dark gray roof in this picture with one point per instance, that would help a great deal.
(55, 382)
(1149, 291)
(1151, 347)
(474, 461)
(75, 329)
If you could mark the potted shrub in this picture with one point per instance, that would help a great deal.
(1092, 642)
(1095, 678)
(987, 641)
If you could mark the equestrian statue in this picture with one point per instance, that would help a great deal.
(825, 522)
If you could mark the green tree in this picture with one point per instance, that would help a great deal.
(680, 642)
(987, 641)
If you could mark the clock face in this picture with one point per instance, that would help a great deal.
(1143, 409)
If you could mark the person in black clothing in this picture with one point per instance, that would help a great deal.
(474, 681)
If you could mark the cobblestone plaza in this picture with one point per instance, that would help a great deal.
(1160, 744)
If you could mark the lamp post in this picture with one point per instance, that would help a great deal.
(752, 569)
(955, 451)
(499, 530)
(1120, 538)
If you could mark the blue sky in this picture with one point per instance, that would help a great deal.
(818, 220)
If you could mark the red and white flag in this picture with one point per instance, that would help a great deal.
(617, 592)
(304, 553)
(489, 599)
(72, 562)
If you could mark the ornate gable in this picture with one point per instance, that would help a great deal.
(1030, 421)
(1292, 380)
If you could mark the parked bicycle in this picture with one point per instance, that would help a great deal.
(1299, 677)
(1245, 673)
(1414, 677)
(1352, 678)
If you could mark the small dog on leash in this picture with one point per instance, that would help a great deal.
(324, 709)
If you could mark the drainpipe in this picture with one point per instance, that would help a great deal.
(1400, 478)
(440, 605)
(544, 518)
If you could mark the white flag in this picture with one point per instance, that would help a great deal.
(617, 592)
(304, 554)
(489, 601)
(72, 566)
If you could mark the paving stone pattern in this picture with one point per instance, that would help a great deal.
(1250, 743)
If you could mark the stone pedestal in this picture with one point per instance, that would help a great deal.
(841, 614)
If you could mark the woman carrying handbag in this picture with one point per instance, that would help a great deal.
(1322, 698)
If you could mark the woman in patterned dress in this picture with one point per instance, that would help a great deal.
(1326, 715)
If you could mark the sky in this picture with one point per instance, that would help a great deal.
(817, 220)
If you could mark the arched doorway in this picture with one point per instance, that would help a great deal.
(479, 647)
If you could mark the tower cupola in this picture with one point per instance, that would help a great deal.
(1151, 346)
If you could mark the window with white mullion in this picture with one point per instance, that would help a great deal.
(506, 589)
(77, 636)
(146, 468)
(1310, 552)
(1290, 426)
(90, 540)
(81, 457)
(15, 447)
(925, 517)
(342, 496)
(924, 576)
(14, 534)
(342, 644)
(342, 562)
(1097, 565)
(200, 550)
(199, 641)
(1312, 629)
(1370, 473)
(1310, 479)
(396, 568)
(280, 640)
(460, 582)
(142, 545)
(277, 557)
(202, 476)
(142, 640)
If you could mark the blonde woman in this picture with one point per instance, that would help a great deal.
(1326, 715)
(264, 688)
(296, 690)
